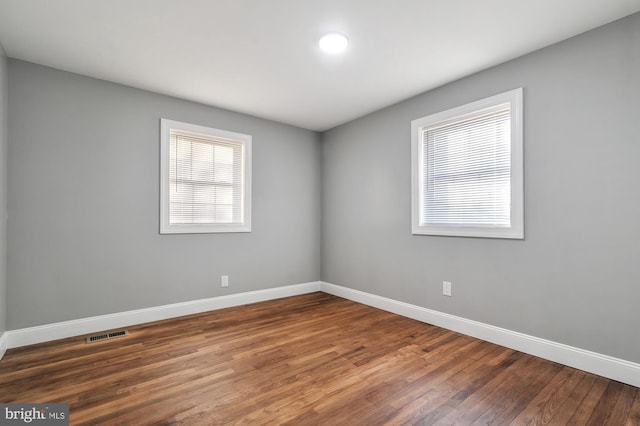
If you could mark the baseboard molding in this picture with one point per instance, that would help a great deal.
(61, 330)
(4, 338)
(602, 365)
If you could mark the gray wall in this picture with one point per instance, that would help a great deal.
(83, 198)
(3, 190)
(575, 278)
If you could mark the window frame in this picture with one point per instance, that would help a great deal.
(166, 227)
(462, 113)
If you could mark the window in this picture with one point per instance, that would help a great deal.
(467, 177)
(205, 179)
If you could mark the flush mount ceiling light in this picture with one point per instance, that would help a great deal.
(333, 42)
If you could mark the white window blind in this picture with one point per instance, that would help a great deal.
(467, 170)
(206, 180)
(205, 177)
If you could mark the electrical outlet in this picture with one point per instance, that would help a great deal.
(446, 288)
(224, 281)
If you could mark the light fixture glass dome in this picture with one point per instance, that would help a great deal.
(333, 42)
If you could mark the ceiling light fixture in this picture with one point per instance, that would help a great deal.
(333, 42)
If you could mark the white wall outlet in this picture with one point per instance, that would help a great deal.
(446, 288)
(224, 281)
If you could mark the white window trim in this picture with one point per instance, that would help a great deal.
(516, 230)
(165, 226)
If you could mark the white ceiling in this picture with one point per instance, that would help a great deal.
(261, 57)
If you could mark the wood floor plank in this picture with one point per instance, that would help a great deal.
(548, 401)
(633, 417)
(314, 359)
(604, 408)
(620, 413)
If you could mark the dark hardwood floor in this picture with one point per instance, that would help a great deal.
(311, 359)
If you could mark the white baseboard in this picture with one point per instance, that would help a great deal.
(61, 330)
(4, 338)
(602, 365)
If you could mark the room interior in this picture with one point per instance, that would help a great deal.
(331, 169)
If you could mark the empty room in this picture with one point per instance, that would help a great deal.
(356, 212)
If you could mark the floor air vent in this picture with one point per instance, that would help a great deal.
(105, 336)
